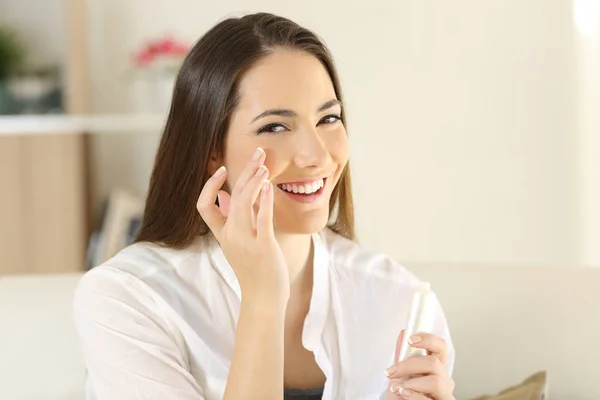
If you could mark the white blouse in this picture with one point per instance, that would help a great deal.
(159, 324)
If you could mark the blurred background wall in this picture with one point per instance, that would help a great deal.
(473, 124)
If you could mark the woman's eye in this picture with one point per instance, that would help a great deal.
(272, 128)
(330, 119)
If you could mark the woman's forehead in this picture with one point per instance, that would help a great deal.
(285, 79)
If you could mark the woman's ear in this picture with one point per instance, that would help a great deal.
(214, 164)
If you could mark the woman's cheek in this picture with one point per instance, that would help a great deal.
(338, 146)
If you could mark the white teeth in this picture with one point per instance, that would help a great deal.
(306, 188)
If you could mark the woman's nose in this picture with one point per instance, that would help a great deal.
(311, 150)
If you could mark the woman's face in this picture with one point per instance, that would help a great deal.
(289, 108)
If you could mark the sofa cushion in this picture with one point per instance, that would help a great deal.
(40, 354)
(532, 388)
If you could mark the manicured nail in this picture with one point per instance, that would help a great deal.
(257, 154)
(390, 371)
(261, 170)
(266, 187)
(219, 171)
(405, 393)
(414, 339)
(397, 388)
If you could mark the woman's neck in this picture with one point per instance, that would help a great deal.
(298, 252)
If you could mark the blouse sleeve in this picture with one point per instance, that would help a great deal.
(129, 350)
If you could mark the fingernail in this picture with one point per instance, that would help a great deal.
(257, 154)
(390, 371)
(397, 388)
(414, 339)
(219, 171)
(261, 170)
(266, 186)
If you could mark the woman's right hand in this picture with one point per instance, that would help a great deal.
(246, 236)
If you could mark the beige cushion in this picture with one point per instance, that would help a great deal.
(39, 352)
(532, 388)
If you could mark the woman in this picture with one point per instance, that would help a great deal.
(244, 281)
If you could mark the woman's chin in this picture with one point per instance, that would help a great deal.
(304, 226)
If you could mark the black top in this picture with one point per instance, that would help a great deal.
(303, 394)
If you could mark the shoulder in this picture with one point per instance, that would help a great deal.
(350, 257)
(137, 275)
(145, 260)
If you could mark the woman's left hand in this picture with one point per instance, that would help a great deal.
(426, 377)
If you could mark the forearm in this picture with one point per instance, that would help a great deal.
(256, 370)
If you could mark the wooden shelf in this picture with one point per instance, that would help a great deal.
(46, 166)
(18, 125)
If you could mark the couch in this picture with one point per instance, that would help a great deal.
(506, 323)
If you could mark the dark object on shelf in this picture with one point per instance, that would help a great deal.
(12, 54)
(120, 219)
(7, 105)
(37, 91)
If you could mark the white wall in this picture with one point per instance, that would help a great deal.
(467, 109)
(587, 13)
(41, 23)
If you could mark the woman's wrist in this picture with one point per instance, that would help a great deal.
(263, 305)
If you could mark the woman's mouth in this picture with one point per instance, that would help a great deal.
(304, 191)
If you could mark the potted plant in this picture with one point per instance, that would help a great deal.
(159, 61)
(12, 54)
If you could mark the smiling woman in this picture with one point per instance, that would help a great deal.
(244, 280)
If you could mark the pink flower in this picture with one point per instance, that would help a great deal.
(163, 47)
(143, 58)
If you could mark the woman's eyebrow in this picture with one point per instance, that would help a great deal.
(329, 104)
(282, 112)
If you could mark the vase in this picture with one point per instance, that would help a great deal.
(5, 98)
(163, 86)
(152, 93)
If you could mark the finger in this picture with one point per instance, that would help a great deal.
(264, 218)
(399, 345)
(438, 387)
(249, 194)
(402, 393)
(206, 201)
(416, 366)
(242, 206)
(435, 345)
(258, 158)
(224, 199)
(396, 356)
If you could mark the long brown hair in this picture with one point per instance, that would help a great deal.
(205, 94)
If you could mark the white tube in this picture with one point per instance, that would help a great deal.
(421, 318)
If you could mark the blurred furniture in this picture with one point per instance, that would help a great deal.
(506, 323)
(42, 207)
(46, 186)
